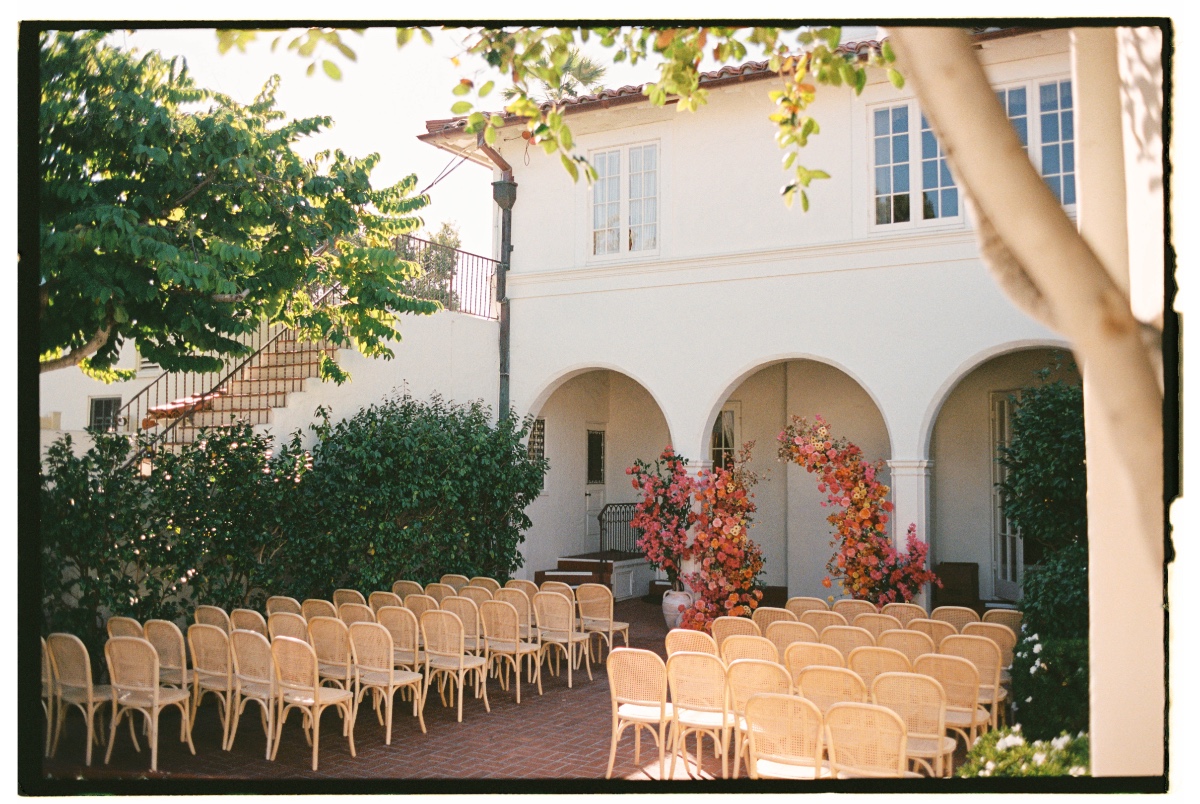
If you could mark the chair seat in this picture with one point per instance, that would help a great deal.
(171, 676)
(408, 657)
(335, 671)
(783, 770)
(644, 713)
(959, 719)
(325, 695)
(213, 682)
(379, 678)
(853, 775)
(563, 637)
(987, 695)
(139, 698)
(256, 689)
(78, 695)
(529, 632)
(447, 663)
(597, 624)
(694, 718)
(930, 747)
(502, 646)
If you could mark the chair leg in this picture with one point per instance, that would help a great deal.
(612, 748)
(316, 735)
(460, 690)
(154, 737)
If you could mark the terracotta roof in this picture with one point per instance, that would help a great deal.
(751, 70)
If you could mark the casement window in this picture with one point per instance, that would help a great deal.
(911, 178)
(624, 200)
(537, 440)
(102, 414)
(1049, 137)
(595, 457)
(724, 435)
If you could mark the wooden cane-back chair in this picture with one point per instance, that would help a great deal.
(802, 655)
(878, 624)
(799, 605)
(911, 643)
(825, 686)
(446, 657)
(73, 668)
(454, 581)
(765, 615)
(784, 633)
(820, 620)
(904, 612)
(866, 741)
(687, 639)
(375, 670)
(377, 600)
(213, 615)
(958, 616)
(403, 589)
(284, 623)
(744, 678)
(316, 607)
(298, 686)
(344, 596)
(134, 671)
(253, 680)
(850, 608)
(748, 646)
(505, 649)
(960, 681)
(699, 706)
(870, 662)
(846, 638)
(785, 739)
(637, 684)
(212, 669)
(936, 630)
(247, 620)
(405, 630)
(921, 702)
(283, 603)
(725, 627)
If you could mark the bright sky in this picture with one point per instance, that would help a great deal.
(379, 106)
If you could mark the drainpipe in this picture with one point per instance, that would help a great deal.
(504, 193)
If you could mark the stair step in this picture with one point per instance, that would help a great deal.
(584, 565)
(212, 418)
(290, 372)
(287, 358)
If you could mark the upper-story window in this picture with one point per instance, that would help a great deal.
(625, 200)
(1050, 141)
(902, 171)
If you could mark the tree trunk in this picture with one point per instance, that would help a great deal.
(1050, 272)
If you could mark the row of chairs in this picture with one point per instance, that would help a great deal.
(823, 722)
(958, 616)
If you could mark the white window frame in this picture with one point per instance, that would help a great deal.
(916, 188)
(1033, 90)
(733, 406)
(623, 251)
(92, 400)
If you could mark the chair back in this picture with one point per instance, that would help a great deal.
(476, 593)
(211, 659)
(980, 651)
(877, 624)
(48, 674)
(785, 632)
(696, 681)
(419, 604)
(905, 612)
(212, 615)
(919, 700)
(133, 667)
(484, 582)
(315, 607)
(936, 630)
(467, 612)
(343, 596)
(372, 648)
(455, 581)
(637, 677)
(555, 613)
(725, 627)
(528, 587)
(746, 677)
(442, 633)
(251, 655)
(825, 686)
(748, 646)
(799, 605)
(440, 591)
(865, 740)
(870, 662)
(402, 624)
(70, 658)
(167, 640)
(785, 729)
(378, 600)
(519, 601)
(959, 679)
(330, 638)
(283, 603)
(247, 620)
(958, 616)
(801, 655)
(820, 620)
(911, 643)
(284, 623)
(850, 609)
(403, 589)
(595, 603)
(351, 613)
(765, 615)
(500, 621)
(559, 587)
(295, 665)
(846, 638)
(686, 639)
(1002, 635)
(124, 626)
(1007, 617)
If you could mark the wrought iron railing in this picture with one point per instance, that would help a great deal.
(615, 531)
(463, 282)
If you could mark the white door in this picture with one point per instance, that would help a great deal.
(1008, 553)
(594, 491)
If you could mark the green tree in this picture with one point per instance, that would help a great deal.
(176, 218)
(578, 73)
(439, 265)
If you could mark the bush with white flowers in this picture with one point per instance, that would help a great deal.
(1006, 752)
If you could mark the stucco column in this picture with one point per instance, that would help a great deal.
(910, 498)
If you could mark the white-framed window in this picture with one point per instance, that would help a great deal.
(102, 412)
(624, 200)
(1047, 132)
(911, 182)
(725, 434)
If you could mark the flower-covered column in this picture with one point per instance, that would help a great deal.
(910, 498)
(689, 563)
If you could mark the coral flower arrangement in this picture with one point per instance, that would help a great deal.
(864, 561)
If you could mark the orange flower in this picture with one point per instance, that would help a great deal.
(827, 583)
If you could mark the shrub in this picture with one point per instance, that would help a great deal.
(1008, 752)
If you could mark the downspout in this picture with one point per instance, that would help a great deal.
(504, 193)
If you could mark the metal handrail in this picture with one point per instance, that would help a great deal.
(615, 531)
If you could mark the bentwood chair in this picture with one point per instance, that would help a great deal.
(725, 627)
(559, 632)
(820, 620)
(49, 691)
(378, 600)
(405, 630)
(958, 616)
(330, 640)
(123, 626)
(878, 624)
(212, 669)
(73, 668)
(253, 680)
(865, 741)
(447, 660)
(596, 614)
(802, 655)
(484, 582)
(869, 662)
(478, 594)
(455, 581)
(911, 643)
(419, 604)
(315, 607)
(825, 686)
(284, 623)
(850, 608)
(637, 684)
(524, 606)
(936, 630)
(799, 605)
(784, 633)
(213, 615)
(698, 695)
(744, 678)
(1008, 617)
(921, 702)
(134, 670)
(375, 670)
(440, 591)
(167, 639)
(748, 646)
(960, 680)
(504, 647)
(685, 639)
(985, 655)
(846, 638)
(247, 620)
(784, 738)
(343, 596)
(283, 603)
(298, 686)
(1005, 640)
(351, 613)
(403, 589)
(765, 615)
(904, 612)
(468, 612)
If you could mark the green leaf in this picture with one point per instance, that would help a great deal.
(486, 89)
(888, 54)
(569, 164)
(896, 79)
(462, 88)
(461, 107)
(426, 35)
(804, 200)
(331, 70)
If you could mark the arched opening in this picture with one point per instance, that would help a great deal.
(592, 425)
(967, 527)
(790, 524)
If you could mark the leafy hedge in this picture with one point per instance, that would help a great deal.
(1007, 753)
(406, 488)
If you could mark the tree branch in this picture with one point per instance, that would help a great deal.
(188, 196)
(87, 350)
